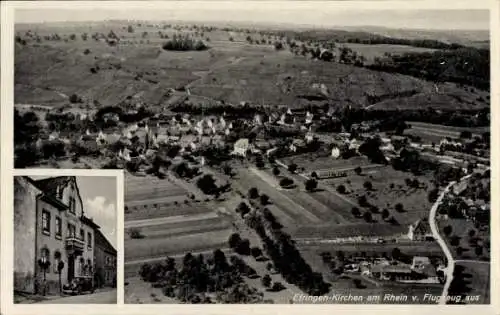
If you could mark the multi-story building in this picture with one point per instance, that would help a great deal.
(105, 261)
(53, 239)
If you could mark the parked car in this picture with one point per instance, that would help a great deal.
(79, 285)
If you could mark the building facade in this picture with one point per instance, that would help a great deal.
(53, 239)
(105, 262)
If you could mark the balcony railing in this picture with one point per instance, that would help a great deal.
(74, 244)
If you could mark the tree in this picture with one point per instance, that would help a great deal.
(311, 184)
(264, 199)
(368, 216)
(75, 99)
(243, 247)
(253, 193)
(292, 168)
(362, 201)
(242, 209)
(368, 185)
(399, 207)
(355, 212)
(256, 252)
(455, 240)
(460, 251)
(130, 29)
(433, 195)
(207, 184)
(276, 171)
(277, 286)
(341, 189)
(385, 214)
(358, 170)
(478, 250)
(231, 39)
(278, 45)
(234, 240)
(447, 230)
(227, 170)
(266, 281)
(472, 233)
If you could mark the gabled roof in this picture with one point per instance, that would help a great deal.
(421, 227)
(49, 187)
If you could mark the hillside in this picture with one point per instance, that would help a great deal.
(48, 72)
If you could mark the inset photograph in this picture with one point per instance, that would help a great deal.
(65, 239)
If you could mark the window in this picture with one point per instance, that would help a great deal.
(89, 240)
(82, 235)
(72, 205)
(58, 227)
(71, 230)
(46, 222)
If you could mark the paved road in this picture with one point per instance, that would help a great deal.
(435, 232)
(106, 297)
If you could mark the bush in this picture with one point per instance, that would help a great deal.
(286, 182)
(311, 184)
(399, 207)
(135, 233)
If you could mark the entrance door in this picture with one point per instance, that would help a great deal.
(71, 268)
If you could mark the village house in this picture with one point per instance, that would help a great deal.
(105, 261)
(53, 239)
(420, 231)
(420, 271)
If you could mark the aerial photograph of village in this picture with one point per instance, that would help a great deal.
(287, 156)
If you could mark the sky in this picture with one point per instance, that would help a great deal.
(414, 14)
(99, 197)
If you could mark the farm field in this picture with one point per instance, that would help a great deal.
(311, 162)
(373, 51)
(161, 219)
(136, 249)
(282, 206)
(389, 188)
(435, 133)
